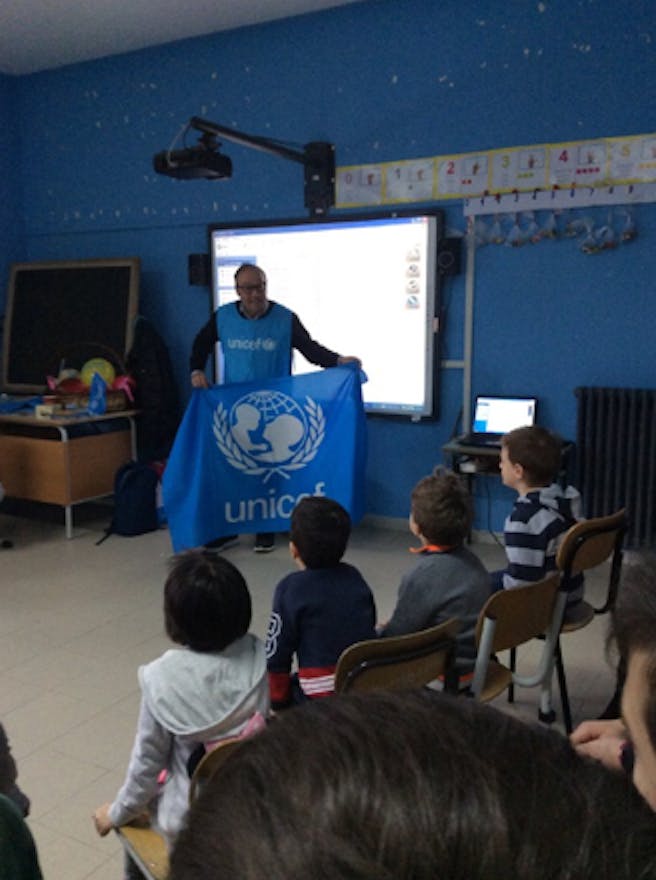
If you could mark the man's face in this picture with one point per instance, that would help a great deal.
(251, 290)
(634, 703)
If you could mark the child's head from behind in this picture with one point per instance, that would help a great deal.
(478, 793)
(207, 605)
(441, 509)
(320, 529)
(533, 453)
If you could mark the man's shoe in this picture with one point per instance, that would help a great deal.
(265, 542)
(220, 544)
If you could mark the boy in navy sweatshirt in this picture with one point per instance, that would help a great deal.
(317, 611)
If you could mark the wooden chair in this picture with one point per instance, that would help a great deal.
(210, 763)
(147, 849)
(508, 619)
(146, 846)
(400, 662)
(587, 545)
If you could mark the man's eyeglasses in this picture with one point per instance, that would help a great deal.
(251, 288)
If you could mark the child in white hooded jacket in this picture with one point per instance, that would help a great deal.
(210, 688)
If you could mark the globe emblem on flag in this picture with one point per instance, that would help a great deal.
(268, 425)
(267, 432)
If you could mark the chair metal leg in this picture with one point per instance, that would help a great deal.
(562, 684)
(546, 713)
(513, 667)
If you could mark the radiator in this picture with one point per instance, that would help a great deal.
(616, 457)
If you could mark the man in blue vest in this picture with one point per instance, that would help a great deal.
(257, 338)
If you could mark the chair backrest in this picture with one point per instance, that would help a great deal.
(399, 662)
(210, 763)
(514, 616)
(589, 543)
(519, 613)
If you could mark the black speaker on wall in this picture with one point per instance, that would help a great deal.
(200, 272)
(449, 256)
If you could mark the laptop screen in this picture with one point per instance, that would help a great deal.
(498, 415)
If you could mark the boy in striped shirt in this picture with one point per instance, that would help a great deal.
(543, 510)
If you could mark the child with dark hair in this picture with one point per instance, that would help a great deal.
(211, 687)
(629, 743)
(18, 855)
(412, 785)
(317, 611)
(543, 512)
(447, 580)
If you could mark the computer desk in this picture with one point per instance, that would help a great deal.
(45, 459)
(470, 461)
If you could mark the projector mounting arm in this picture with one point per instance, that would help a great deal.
(247, 140)
(317, 159)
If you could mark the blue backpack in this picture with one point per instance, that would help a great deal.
(135, 501)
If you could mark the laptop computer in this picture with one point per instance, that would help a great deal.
(494, 416)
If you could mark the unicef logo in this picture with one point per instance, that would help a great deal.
(267, 432)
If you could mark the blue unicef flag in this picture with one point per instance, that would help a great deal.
(245, 453)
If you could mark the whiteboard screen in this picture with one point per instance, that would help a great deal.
(365, 286)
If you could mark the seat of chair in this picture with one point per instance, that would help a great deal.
(577, 617)
(147, 848)
(498, 677)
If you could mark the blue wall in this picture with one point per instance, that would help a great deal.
(11, 224)
(383, 80)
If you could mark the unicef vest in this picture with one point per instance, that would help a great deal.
(253, 350)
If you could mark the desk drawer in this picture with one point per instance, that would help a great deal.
(58, 472)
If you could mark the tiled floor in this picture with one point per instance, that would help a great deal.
(77, 619)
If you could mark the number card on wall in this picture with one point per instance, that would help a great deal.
(522, 168)
(410, 181)
(633, 160)
(359, 185)
(462, 175)
(578, 164)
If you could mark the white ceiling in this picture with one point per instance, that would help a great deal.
(42, 34)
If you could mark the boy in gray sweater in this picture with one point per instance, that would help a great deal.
(447, 580)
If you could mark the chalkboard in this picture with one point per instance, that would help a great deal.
(62, 313)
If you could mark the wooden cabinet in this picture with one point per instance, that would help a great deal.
(60, 461)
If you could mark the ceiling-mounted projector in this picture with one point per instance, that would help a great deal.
(194, 163)
(206, 162)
